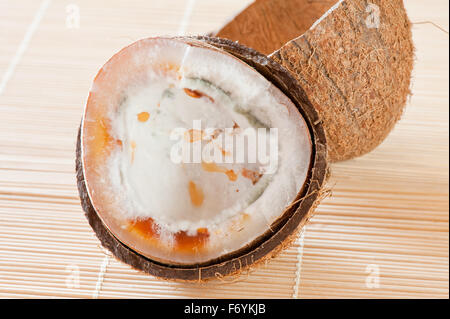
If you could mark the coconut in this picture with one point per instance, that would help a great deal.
(353, 59)
(177, 218)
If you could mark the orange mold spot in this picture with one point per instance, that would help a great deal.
(251, 175)
(192, 135)
(184, 242)
(143, 116)
(196, 194)
(133, 150)
(145, 227)
(214, 168)
(197, 94)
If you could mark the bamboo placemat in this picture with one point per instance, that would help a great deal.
(382, 233)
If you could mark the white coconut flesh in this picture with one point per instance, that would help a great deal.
(161, 97)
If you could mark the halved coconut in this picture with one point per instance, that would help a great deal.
(197, 157)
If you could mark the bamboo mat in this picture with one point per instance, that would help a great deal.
(382, 233)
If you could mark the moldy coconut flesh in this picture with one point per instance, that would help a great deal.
(353, 58)
(203, 215)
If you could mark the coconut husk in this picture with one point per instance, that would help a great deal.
(354, 63)
(266, 25)
(281, 233)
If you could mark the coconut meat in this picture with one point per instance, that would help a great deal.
(165, 178)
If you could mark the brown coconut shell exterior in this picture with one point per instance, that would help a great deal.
(354, 65)
(266, 25)
(282, 233)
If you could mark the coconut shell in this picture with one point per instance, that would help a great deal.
(282, 232)
(354, 64)
(266, 25)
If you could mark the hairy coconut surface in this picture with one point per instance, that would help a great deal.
(93, 192)
(354, 62)
(266, 25)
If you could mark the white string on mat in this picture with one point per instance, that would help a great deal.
(24, 44)
(101, 277)
(300, 242)
(186, 17)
